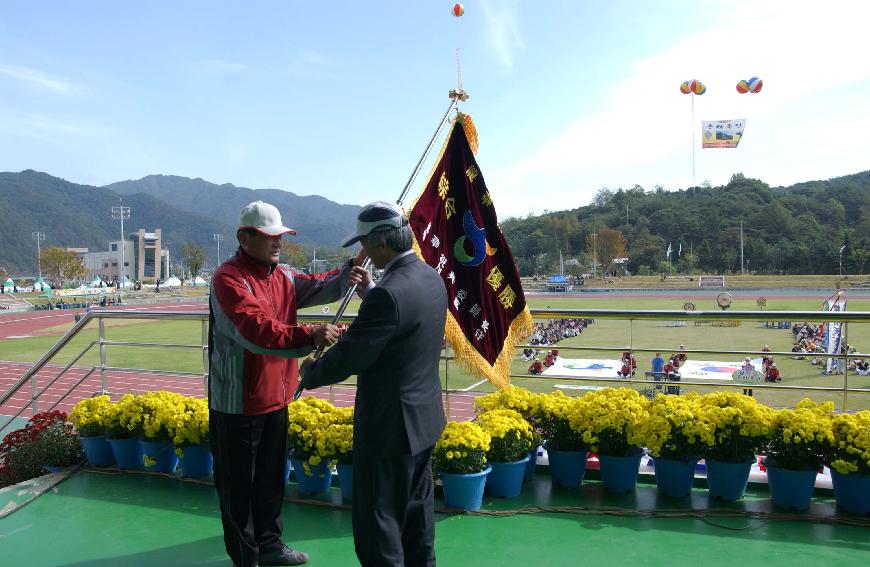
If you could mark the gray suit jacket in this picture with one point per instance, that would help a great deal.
(394, 348)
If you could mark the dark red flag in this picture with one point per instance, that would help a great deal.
(456, 229)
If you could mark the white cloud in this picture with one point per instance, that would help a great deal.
(502, 29)
(39, 79)
(642, 133)
(45, 128)
(309, 63)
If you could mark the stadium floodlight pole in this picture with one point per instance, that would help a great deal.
(38, 237)
(123, 213)
(843, 247)
(218, 238)
(455, 97)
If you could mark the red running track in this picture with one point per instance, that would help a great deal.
(461, 405)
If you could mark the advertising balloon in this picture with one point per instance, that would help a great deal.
(458, 10)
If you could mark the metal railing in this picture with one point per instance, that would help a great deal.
(101, 316)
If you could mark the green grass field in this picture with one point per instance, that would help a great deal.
(750, 336)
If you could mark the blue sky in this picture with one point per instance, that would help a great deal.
(340, 98)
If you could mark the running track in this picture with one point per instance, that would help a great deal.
(31, 323)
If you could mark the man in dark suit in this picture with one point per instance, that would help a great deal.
(394, 348)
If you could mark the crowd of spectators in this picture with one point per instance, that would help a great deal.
(557, 329)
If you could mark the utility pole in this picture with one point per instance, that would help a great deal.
(594, 254)
(742, 270)
(38, 237)
(626, 215)
(218, 238)
(123, 213)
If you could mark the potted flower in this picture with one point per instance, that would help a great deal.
(308, 418)
(88, 417)
(47, 441)
(524, 402)
(335, 443)
(674, 433)
(566, 448)
(799, 440)
(159, 414)
(511, 438)
(849, 459)
(742, 426)
(460, 459)
(612, 422)
(123, 420)
(189, 432)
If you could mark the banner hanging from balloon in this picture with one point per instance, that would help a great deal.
(722, 133)
(456, 232)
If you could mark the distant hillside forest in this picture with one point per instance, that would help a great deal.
(786, 230)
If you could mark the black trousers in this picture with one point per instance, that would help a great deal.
(250, 454)
(394, 510)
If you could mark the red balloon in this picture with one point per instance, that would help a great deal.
(458, 10)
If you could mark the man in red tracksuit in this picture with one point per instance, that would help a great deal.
(254, 340)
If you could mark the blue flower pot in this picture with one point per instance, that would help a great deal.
(318, 481)
(727, 481)
(128, 453)
(675, 478)
(97, 450)
(506, 479)
(619, 474)
(529, 472)
(852, 492)
(162, 452)
(567, 468)
(196, 461)
(464, 491)
(345, 479)
(790, 488)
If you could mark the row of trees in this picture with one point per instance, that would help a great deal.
(798, 229)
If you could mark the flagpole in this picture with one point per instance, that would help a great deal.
(455, 97)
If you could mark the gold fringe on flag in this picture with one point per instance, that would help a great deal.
(470, 130)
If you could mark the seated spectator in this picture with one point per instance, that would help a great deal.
(669, 369)
(862, 367)
(550, 359)
(682, 355)
(658, 363)
(528, 354)
(772, 374)
(626, 369)
(536, 367)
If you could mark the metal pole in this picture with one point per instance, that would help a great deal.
(218, 238)
(367, 262)
(104, 379)
(446, 382)
(38, 237)
(845, 365)
(121, 212)
(205, 355)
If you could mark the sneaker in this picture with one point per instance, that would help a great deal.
(284, 555)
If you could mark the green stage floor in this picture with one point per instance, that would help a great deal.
(96, 518)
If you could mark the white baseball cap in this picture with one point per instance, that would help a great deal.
(263, 218)
(375, 217)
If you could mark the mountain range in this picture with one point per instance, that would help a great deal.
(187, 210)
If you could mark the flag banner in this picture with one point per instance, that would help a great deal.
(834, 331)
(456, 232)
(722, 133)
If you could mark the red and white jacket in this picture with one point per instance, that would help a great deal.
(254, 336)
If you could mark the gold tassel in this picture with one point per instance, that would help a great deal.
(470, 130)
